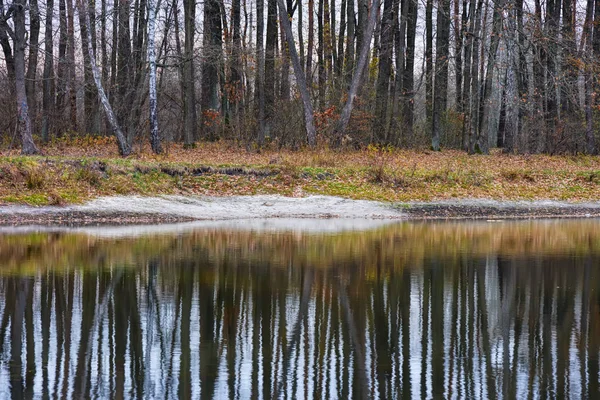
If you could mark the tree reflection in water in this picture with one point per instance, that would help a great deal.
(465, 310)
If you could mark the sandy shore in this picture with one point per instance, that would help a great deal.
(172, 209)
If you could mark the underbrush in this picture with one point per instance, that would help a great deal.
(70, 173)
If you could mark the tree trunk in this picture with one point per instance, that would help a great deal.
(568, 85)
(105, 60)
(538, 130)
(473, 119)
(180, 64)
(320, 57)
(397, 116)
(523, 70)
(466, 90)
(428, 59)
(72, 77)
(49, 92)
(300, 77)
(383, 75)
(285, 63)
(409, 80)
(552, 21)
(512, 95)
(138, 41)
(152, 93)
(236, 95)
(30, 77)
(125, 78)
(138, 85)
(95, 115)
(189, 111)
(5, 43)
(458, 48)
(89, 103)
(485, 124)
(349, 72)
(311, 40)
(269, 80)
(260, 83)
(247, 93)
(62, 73)
(360, 27)
(340, 50)
(334, 55)
(501, 139)
(124, 147)
(441, 72)
(113, 53)
(24, 122)
(340, 129)
(226, 45)
(589, 117)
(588, 48)
(327, 43)
(300, 32)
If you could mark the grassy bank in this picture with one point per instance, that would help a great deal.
(74, 172)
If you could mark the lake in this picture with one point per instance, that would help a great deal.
(255, 309)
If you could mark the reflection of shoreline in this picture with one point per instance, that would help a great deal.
(136, 210)
(363, 242)
(297, 225)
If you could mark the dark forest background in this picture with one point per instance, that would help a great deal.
(470, 74)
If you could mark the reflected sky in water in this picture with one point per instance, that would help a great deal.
(409, 310)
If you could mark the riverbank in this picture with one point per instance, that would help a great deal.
(420, 184)
(123, 210)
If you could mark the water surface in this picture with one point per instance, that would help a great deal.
(421, 310)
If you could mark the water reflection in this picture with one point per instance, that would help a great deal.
(462, 310)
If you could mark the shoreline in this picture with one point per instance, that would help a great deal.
(129, 210)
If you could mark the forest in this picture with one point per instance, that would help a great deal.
(455, 74)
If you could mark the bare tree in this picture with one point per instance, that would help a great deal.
(342, 124)
(311, 134)
(152, 92)
(189, 105)
(49, 92)
(32, 58)
(269, 76)
(89, 86)
(70, 64)
(5, 42)
(124, 147)
(487, 105)
(441, 72)
(350, 43)
(383, 75)
(429, 59)
(260, 71)
(17, 12)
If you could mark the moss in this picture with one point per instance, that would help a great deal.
(37, 199)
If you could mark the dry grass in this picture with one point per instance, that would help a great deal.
(82, 169)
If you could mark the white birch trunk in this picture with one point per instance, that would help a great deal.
(124, 148)
(154, 133)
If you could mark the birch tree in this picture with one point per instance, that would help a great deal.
(152, 93)
(124, 147)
